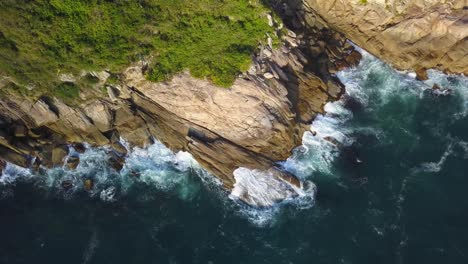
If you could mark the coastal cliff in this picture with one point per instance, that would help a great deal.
(253, 124)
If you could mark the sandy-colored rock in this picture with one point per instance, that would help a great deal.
(100, 114)
(73, 162)
(421, 74)
(58, 155)
(410, 34)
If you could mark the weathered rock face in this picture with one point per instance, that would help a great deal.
(410, 34)
(255, 123)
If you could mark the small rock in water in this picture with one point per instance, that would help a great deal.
(88, 184)
(2, 166)
(437, 90)
(72, 162)
(333, 140)
(67, 185)
(134, 173)
(58, 155)
(119, 148)
(116, 162)
(79, 147)
(36, 164)
(353, 58)
(421, 74)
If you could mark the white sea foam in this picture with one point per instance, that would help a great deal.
(155, 166)
(435, 166)
(263, 189)
(91, 247)
(163, 170)
(13, 173)
(267, 196)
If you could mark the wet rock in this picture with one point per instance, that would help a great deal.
(58, 155)
(353, 58)
(134, 174)
(88, 185)
(36, 164)
(67, 184)
(440, 91)
(421, 74)
(79, 147)
(14, 157)
(334, 141)
(73, 162)
(116, 162)
(119, 148)
(2, 166)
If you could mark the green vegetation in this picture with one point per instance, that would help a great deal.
(212, 38)
(363, 2)
(66, 91)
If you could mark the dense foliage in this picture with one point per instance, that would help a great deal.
(212, 38)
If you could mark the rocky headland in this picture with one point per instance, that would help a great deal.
(262, 117)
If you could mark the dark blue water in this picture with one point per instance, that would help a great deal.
(393, 190)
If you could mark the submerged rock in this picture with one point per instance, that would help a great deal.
(79, 147)
(67, 184)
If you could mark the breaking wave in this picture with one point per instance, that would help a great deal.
(156, 167)
(369, 87)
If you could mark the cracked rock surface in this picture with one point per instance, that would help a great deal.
(410, 34)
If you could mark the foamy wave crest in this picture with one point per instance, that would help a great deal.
(266, 195)
(321, 145)
(435, 166)
(12, 173)
(451, 83)
(156, 167)
(263, 189)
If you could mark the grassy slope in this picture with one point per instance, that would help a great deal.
(212, 38)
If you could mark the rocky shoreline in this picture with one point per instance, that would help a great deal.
(254, 124)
